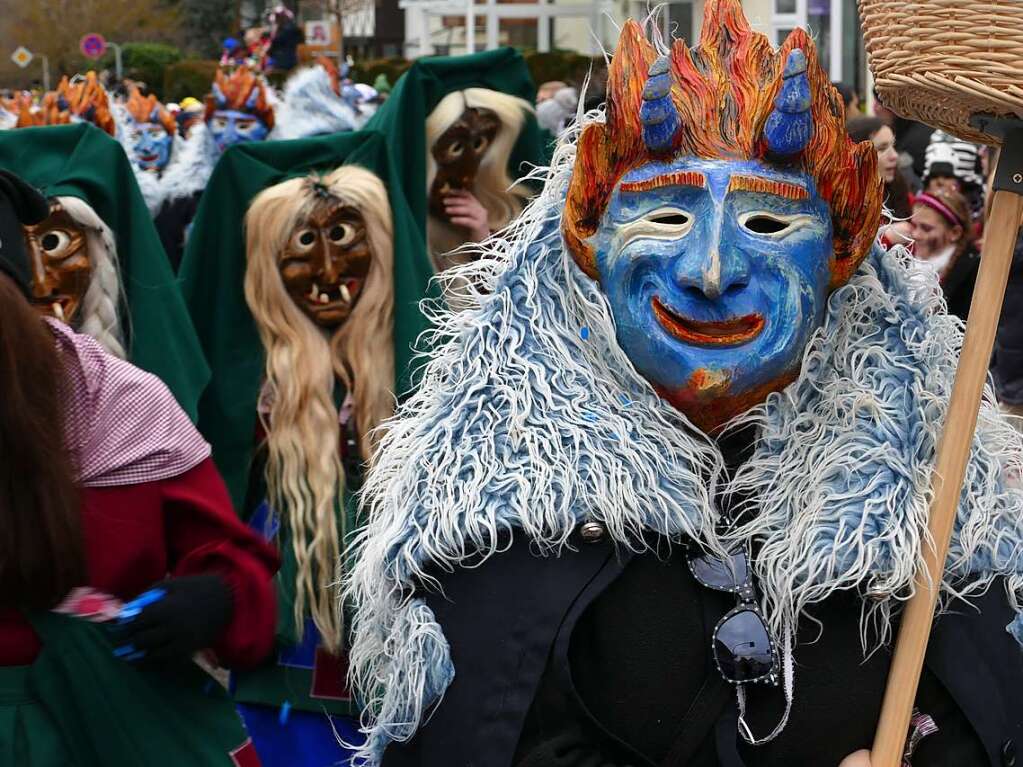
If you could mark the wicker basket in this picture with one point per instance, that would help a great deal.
(940, 61)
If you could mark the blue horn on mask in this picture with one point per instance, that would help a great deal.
(658, 114)
(219, 96)
(253, 99)
(790, 124)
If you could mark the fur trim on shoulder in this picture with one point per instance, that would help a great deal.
(311, 108)
(861, 427)
(191, 164)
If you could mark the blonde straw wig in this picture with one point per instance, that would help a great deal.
(100, 313)
(305, 478)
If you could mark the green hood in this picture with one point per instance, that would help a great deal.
(213, 276)
(82, 161)
(402, 118)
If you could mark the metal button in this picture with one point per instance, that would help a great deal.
(1008, 753)
(592, 532)
(877, 594)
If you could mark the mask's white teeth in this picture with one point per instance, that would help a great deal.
(345, 294)
(58, 310)
(323, 298)
(314, 291)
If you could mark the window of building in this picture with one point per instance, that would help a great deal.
(824, 20)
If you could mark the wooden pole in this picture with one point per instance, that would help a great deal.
(1000, 235)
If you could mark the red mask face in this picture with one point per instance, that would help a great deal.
(61, 269)
(325, 263)
(458, 153)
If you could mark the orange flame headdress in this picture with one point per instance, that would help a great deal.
(729, 97)
(29, 113)
(86, 99)
(243, 91)
(147, 109)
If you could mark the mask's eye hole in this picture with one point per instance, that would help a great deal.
(763, 223)
(456, 149)
(670, 218)
(480, 145)
(305, 239)
(341, 234)
(55, 243)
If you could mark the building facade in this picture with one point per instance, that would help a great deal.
(590, 26)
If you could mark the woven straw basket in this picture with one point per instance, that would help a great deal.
(940, 61)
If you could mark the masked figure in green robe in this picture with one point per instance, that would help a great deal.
(307, 334)
(463, 130)
(96, 261)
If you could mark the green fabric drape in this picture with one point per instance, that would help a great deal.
(84, 162)
(77, 698)
(402, 118)
(213, 273)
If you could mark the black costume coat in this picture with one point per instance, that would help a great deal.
(580, 661)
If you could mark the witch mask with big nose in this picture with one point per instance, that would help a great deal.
(458, 152)
(326, 261)
(61, 270)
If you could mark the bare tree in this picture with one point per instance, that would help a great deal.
(54, 27)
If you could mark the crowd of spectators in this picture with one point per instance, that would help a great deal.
(936, 192)
(272, 47)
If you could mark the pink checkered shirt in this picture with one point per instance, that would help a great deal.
(123, 426)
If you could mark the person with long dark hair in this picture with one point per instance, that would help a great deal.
(896, 189)
(120, 554)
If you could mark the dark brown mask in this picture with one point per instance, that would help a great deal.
(325, 263)
(458, 153)
(61, 270)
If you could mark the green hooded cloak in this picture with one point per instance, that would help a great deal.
(402, 118)
(213, 276)
(82, 161)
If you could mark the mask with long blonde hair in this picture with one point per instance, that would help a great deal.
(490, 181)
(305, 477)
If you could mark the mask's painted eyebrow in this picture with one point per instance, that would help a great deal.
(673, 178)
(785, 189)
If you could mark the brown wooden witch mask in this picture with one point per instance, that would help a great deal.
(458, 152)
(326, 261)
(61, 270)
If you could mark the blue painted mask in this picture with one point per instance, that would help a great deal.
(151, 145)
(230, 127)
(717, 272)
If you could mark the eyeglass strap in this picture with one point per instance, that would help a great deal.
(788, 682)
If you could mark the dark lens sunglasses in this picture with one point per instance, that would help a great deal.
(742, 645)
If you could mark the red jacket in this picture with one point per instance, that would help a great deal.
(136, 535)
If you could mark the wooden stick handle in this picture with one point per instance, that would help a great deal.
(947, 478)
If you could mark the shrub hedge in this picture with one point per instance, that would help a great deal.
(191, 77)
(147, 62)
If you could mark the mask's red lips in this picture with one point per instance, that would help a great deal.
(731, 332)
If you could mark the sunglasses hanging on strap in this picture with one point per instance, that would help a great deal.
(743, 649)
